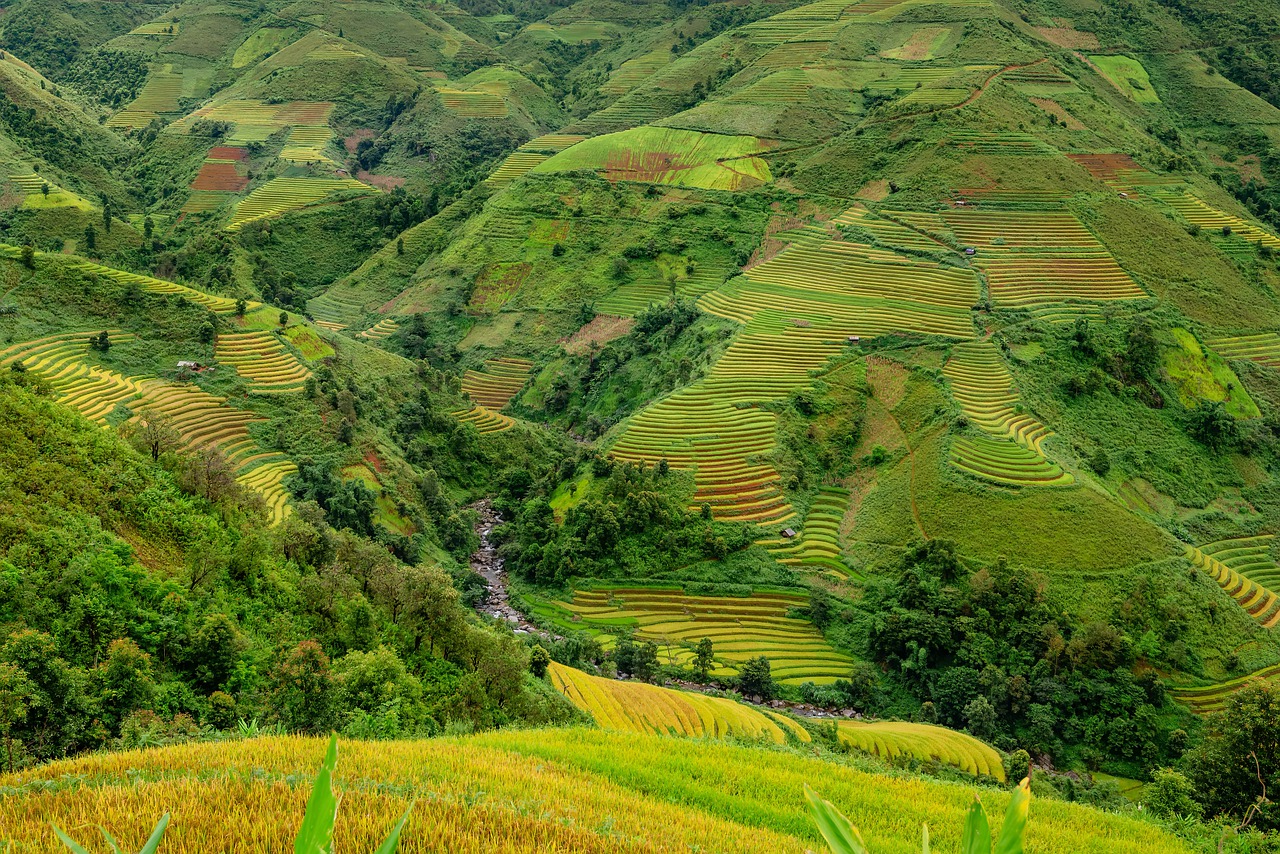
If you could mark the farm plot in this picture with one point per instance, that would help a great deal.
(1039, 79)
(261, 359)
(281, 195)
(1213, 698)
(384, 328)
(633, 72)
(473, 104)
(795, 23)
(1041, 259)
(887, 231)
(983, 387)
(1128, 76)
(500, 380)
(221, 305)
(637, 707)
(1198, 213)
(256, 120)
(1005, 462)
(893, 739)
(817, 546)
(739, 628)
(1262, 347)
(1243, 568)
(61, 360)
(307, 143)
(221, 172)
(485, 420)
(920, 44)
(33, 187)
(159, 95)
(1121, 172)
(669, 156)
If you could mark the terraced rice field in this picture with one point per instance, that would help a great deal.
(219, 176)
(1006, 463)
(552, 143)
(307, 144)
(500, 380)
(1120, 172)
(221, 305)
(281, 195)
(201, 420)
(1197, 212)
(1245, 571)
(637, 707)
(983, 387)
(1038, 259)
(817, 545)
(633, 72)
(205, 201)
(485, 420)
(256, 120)
(739, 627)
(894, 739)
(473, 104)
(262, 359)
(887, 231)
(1043, 77)
(157, 28)
(669, 156)
(158, 96)
(32, 185)
(382, 329)
(1262, 347)
(1213, 698)
(516, 166)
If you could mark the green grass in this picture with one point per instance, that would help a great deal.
(1202, 375)
(1127, 75)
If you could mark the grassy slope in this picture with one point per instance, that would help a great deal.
(578, 790)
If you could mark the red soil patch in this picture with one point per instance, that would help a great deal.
(305, 113)
(1053, 108)
(353, 142)
(382, 182)
(227, 152)
(1068, 38)
(217, 175)
(650, 166)
(375, 462)
(601, 330)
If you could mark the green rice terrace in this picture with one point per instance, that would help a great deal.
(610, 407)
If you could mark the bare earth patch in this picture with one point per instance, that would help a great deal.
(1069, 38)
(601, 330)
(874, 191)
(382, 182)
(1053, 108)
(353, 142)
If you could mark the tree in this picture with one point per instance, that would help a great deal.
(539, 660)
(644, 665)
(126, 680)
(1170, 794)
(208, 474)
(90, 238)
(981, 718)
(29, 257)
(284, 318)
(756, 678)
(399, 245)
(148, 227)
(106, 216)
(100, 342)
(214, 651)
(703, 659)
(16, 696)
(241, 307)
(1240, 745)
(1211, 424)
(152, 432)
(44, 189)
(304, 689)
(208, 332)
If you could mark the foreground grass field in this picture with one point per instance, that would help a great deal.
(539, 790)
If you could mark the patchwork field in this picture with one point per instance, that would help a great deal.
(255, 120)
(893, 739)
(739, 627)
(500, 380)
(261, 359)
(1006, 462)
(1262, 347)
(159, 96)
(281, 195)
(32, 187)
(637, 707)
(1120, 172)
(1246, 572)
(1198, 213)
(668, 156)
(221, 305)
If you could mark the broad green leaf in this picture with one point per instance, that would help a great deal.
(842, 837)
(69, 842)
(315, 836)
(111, 841)
(1013, 834)
(924, 842)
(153, 841)
(389, 846)
(976, 837)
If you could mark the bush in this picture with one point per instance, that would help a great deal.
(1170, 794)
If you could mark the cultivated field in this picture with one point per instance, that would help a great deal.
(1244, 569)
(500, 380)
(1213, 698)
(159, 95)
(1260, 347)
(817, 545)
(581, 790)
(281, 195)
(637, 707)
(893, 739)
(983, 387)
(739, 627)
(1006, 462)
(262, 359)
